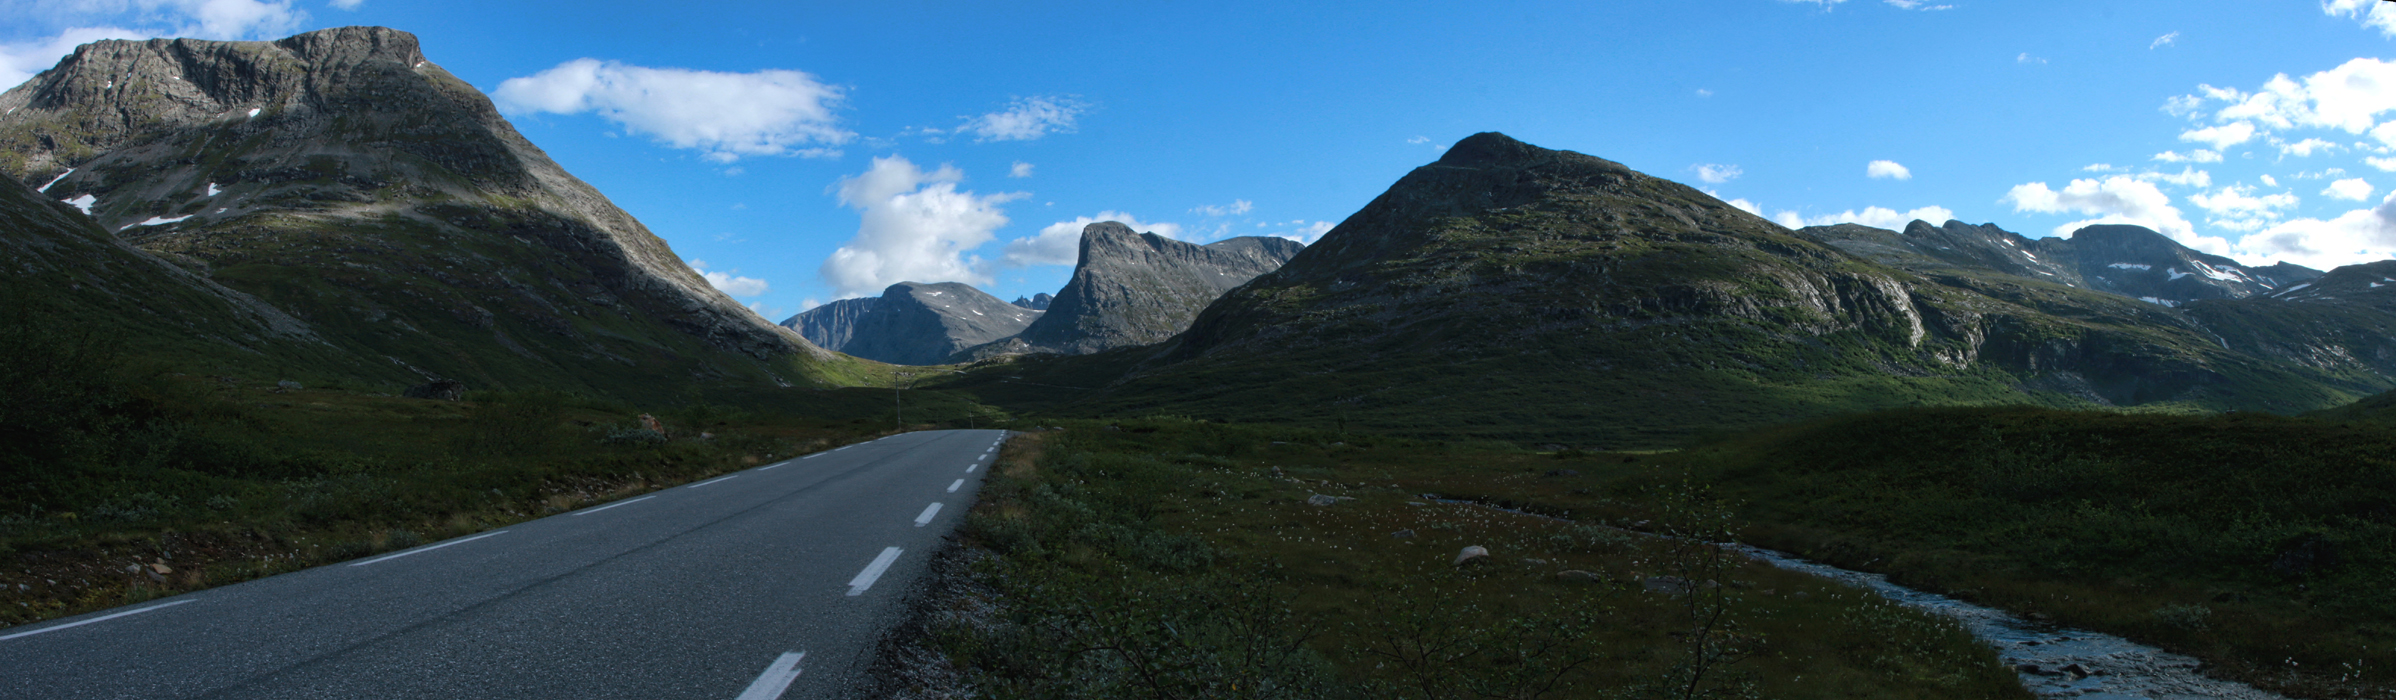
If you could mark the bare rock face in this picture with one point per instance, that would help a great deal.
(2131, 261)
(346, 178)
(912, 323)
(1132, 288)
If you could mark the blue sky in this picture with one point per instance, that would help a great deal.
(802, 152)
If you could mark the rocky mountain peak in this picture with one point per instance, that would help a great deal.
(1131, 288)
(346, 154)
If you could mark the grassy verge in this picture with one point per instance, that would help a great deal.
(1173, 559)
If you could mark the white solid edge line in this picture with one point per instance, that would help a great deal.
(813, 456)
(709, 481)
(770, 466)
(80, 623)
(581, 513)
(865, 579)
(776, 678)
(952, 488)
(928, 512)
(421, 550)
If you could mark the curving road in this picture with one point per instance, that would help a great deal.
(773, 582)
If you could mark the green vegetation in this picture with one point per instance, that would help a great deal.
(1166, 558)
(114, 462)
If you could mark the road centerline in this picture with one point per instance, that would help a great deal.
(928, 512)
(873, 572)
(952, 488)
(776, 678)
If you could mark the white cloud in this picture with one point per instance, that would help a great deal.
(2270, 181)
(1887, 169)
(2162, 41)
(2103, 168)
(1021, 169)
(1917, 5)
(1236, 207)
(1027, 118)
(2117, 199)
(2196, 156)
(2187, 177)
(2221, 137)
(2027, 58)
(346, 4)
(2240, 201)
(1702, 92)
(2351, 189)
(1060, 243)
(914, 227)
(2358, 236)
(1716, 173)
(726, 115)
(1744, 205)
(2386, 164)
(2379, 16)
(728, 283)
(1826, 4)
(2349, 97)
(2306, 148)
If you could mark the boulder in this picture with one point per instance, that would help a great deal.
(438, 390)
(1406, 534)
(1471, 554)
(1320, 500)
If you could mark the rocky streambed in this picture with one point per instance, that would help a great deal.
(2053, 662)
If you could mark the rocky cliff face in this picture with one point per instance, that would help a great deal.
(912, 323)
(1131, 288)
(1511, 290)
(1036, 302)
(343, 177)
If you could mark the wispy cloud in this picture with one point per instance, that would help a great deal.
(1027, 118)
(2162, 41)
(1021, 169)
(1716, 173)
(1887, 169)
(1235, 208)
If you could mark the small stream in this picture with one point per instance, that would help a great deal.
(2053, 662)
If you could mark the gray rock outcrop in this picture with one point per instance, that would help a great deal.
(1131, 288)
(912, 323)
(2131, 261)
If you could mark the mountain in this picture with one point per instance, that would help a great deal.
(1036, 302)
(2131, 261)
(1133, 288)
(912, 323)
(65, 271)
(341, 177)
(1514, 292)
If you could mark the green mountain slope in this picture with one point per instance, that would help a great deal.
(1514, 292)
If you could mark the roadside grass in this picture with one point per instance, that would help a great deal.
(127, 485)
(1171, 558)
(2264, 545)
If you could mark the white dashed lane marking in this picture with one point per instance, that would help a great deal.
(928, 513)
(776, 678)
(865, 579)
(952, 488)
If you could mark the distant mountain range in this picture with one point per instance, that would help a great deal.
(344, 179)
(1513, 292)
(1127, 289)
(912, 323)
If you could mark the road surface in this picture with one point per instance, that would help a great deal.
(774, 582)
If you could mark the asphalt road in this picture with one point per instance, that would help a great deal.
(770, 582)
